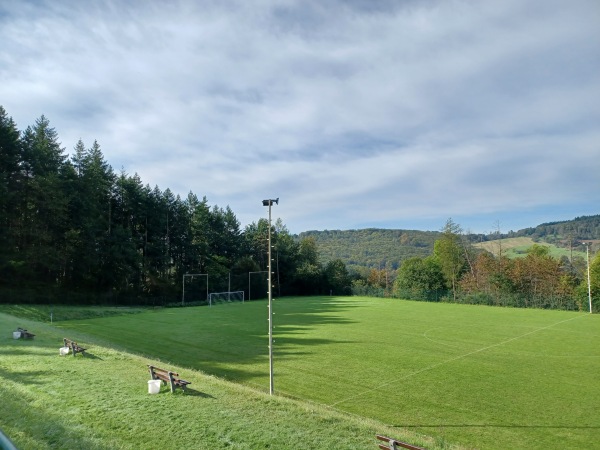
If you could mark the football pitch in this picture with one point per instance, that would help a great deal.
(478, 376)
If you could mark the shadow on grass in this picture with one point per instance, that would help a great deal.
(189, 392)
(21, 377)
(88, 356)
(21, 350)
(195, 393)
(225, 340)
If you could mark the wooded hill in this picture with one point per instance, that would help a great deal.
(372, 247)
(381, 248)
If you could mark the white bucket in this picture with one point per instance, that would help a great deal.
(64, 351)
(16, 334)
(153, 386)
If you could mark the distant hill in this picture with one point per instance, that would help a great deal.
(372, 247)
(561, 233)
(379, 248)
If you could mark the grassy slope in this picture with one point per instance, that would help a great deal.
(487, 377)
(517, 247)
(101, 402)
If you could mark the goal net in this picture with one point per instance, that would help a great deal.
(225, 297)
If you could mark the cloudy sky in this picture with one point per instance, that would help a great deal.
(356, 113)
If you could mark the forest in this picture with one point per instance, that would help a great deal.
(74, 231)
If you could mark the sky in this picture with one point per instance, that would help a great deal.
(355, 114)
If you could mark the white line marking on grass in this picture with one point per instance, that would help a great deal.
(434, 366)
(436, 341)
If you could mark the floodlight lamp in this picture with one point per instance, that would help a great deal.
(270, 202)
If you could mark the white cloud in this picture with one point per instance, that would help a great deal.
(356, 115)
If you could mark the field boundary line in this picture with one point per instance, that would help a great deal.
(455, 358)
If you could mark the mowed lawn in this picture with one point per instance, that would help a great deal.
(101, 401)
(479, 376)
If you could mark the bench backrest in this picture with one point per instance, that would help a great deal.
(159, 371)
(72, 344)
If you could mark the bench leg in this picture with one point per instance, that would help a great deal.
(172, 382)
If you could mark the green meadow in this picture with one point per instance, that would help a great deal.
(344, 369)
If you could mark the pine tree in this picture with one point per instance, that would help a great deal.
(10, 176)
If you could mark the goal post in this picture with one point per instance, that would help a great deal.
(191, 277)
(225, 297)
(250, 283)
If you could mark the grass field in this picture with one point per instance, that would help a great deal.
(101, 401)
(477, 376)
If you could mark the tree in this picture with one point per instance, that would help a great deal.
(537, 276)
(10, 178)
(419, 277)
(449, 253)
(286, 257)
(89, 192)
(43, 203)
(491, 275)
(308, 252)
(337, 278)
(225, 239)
(255, 241)
(378, 278)
(309, 273)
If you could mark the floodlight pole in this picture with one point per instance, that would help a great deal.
(587, 246)
(269, 203)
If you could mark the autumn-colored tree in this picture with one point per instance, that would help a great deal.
(537, 276)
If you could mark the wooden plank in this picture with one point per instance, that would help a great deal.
(393, 444)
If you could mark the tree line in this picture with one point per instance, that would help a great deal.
(458, 272)
(74, 230)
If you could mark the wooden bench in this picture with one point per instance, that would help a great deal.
(75, 348)
(393, 444)
(167, 376)
(25, 334)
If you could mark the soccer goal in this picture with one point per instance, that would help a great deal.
(225, 297)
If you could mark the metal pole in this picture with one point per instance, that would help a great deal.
(271, 387)
(6, 443)
(588, 274)
(269, 203)
(183, 290)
